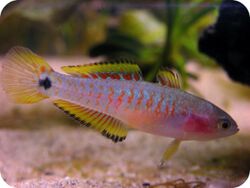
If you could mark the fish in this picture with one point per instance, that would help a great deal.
(111, 97)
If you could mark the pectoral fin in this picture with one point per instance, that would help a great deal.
(170, 151)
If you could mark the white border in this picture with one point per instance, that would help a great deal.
(3, 3)
(3, 184)
(246, 184)
(246, 3)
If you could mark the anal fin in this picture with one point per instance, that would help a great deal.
(109, 126)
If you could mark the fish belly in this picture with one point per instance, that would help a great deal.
(151, 123)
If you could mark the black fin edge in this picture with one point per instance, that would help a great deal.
(114, 138)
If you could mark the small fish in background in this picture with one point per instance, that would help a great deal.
(111, 97)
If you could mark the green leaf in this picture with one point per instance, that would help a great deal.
(118, 45)
(196, 17)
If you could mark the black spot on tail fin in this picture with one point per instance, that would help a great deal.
(46, 83)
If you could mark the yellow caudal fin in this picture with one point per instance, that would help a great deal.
(22, 76)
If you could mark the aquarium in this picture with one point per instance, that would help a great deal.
(113, 94)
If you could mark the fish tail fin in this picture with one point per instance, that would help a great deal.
(24, 76)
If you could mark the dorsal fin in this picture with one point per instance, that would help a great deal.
(110, 127)
(170, 78)
(121, 69)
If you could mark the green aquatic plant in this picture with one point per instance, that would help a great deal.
(142, 25)
(162, 40)
(183, 30)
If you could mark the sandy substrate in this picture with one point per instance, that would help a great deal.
(59, 153)
(62, 153)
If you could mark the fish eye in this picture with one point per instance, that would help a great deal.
(224, 124)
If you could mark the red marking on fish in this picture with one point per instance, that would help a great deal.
(94, 76)
(139, 100)
(130, 98)
(103, 75)
(158, 108)
(85, 76)
(115, 76)
(110, 97)
(100, 119)
(119, 99)
(127, 76)
(166, 109)
(173, 109)
(42, 69)
(197, 124)
(136, 76)
(99, 96)
(149, 102)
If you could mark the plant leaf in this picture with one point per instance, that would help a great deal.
(196, 17)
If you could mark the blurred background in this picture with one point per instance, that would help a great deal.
(39, 145)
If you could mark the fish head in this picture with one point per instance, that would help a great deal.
(209, 123)
(223, 124)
